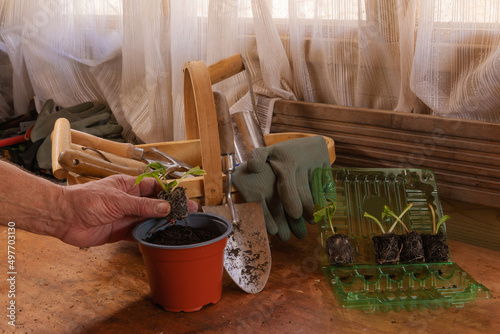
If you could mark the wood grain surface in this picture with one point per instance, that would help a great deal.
(64, 289)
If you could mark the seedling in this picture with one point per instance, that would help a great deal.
(435, 227)
(326, 212)
(338, 246)
(158, 171)
(389, 213)
(387, 246)
(172, 193)
(435, 245)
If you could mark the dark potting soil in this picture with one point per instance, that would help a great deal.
(435, 247)
(181, 235)
(339, 249)
(178, 203)
(387, 248)
(412, 247)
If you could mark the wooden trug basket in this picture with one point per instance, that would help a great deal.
(201, 147)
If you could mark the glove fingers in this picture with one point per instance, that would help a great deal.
(95, 109)
(257, 160)
(44, 154)
(305, 197)
(280, 218)
(79, 107)
(271, 226)
(298, 227)
(97, 119)
(105, 130)
(287, 190)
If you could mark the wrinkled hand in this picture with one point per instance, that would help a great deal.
(293, 162)
(107, 210)
(261, 187)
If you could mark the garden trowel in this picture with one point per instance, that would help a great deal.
(247, 257)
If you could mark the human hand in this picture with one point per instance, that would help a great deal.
(293, 162)
(107, 210)
(261, 187)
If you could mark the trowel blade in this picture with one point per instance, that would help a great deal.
(247, 257)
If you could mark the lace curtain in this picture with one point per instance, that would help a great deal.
(438, 57)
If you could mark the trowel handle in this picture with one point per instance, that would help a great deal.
(61, 140)
(224, 124)
(121, 149)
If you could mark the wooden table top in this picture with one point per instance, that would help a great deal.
(64, 289)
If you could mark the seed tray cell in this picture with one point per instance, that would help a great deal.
(366, 285)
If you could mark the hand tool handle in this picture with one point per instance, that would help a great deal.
(122, 149)
(86, 164)
(116, 159)
(224, 123)
(226, 142)
(61, 140)
(225, 68)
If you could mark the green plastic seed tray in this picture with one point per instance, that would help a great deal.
(365, 284)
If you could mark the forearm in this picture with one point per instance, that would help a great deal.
(29, 201)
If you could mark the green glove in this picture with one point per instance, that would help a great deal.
(293, 162)
(46, 119)
(94, 120)
(261, 187)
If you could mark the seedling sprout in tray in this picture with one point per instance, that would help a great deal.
(370, 202)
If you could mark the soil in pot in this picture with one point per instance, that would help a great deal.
(339, 249)
(412, 247)
(387, 248)
(435, 247)
(180, 234)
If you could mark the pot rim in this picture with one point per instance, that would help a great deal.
(219, 219)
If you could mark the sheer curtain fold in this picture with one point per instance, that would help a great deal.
(440, 57)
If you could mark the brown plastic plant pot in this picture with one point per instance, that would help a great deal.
(187, 277)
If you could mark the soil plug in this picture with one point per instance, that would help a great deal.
(176, 196)
(387, 246)
(435, 244)
(338, 246)
(412, 249)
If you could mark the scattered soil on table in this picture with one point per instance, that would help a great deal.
(412, 247)
(339, 249)
(181, 235)
(387, 248)
(435, 247)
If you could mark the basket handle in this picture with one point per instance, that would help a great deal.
(201, 118)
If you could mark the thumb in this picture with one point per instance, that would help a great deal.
(145, 207)
(257, 159)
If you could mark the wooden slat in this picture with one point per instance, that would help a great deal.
(464, 154)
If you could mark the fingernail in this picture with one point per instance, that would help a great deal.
(163, 208)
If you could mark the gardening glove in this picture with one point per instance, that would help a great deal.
(261, 187)
(85, 117)
(293, 161)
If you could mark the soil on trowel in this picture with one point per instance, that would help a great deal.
(412, 247)
(179, 234)
(178, 204)
(387, 248)
(339, 249)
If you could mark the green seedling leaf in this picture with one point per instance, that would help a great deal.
(328, 211)
(389, 213)
(375, 219)
(435, 227)
(158, 171)
(441, 221)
